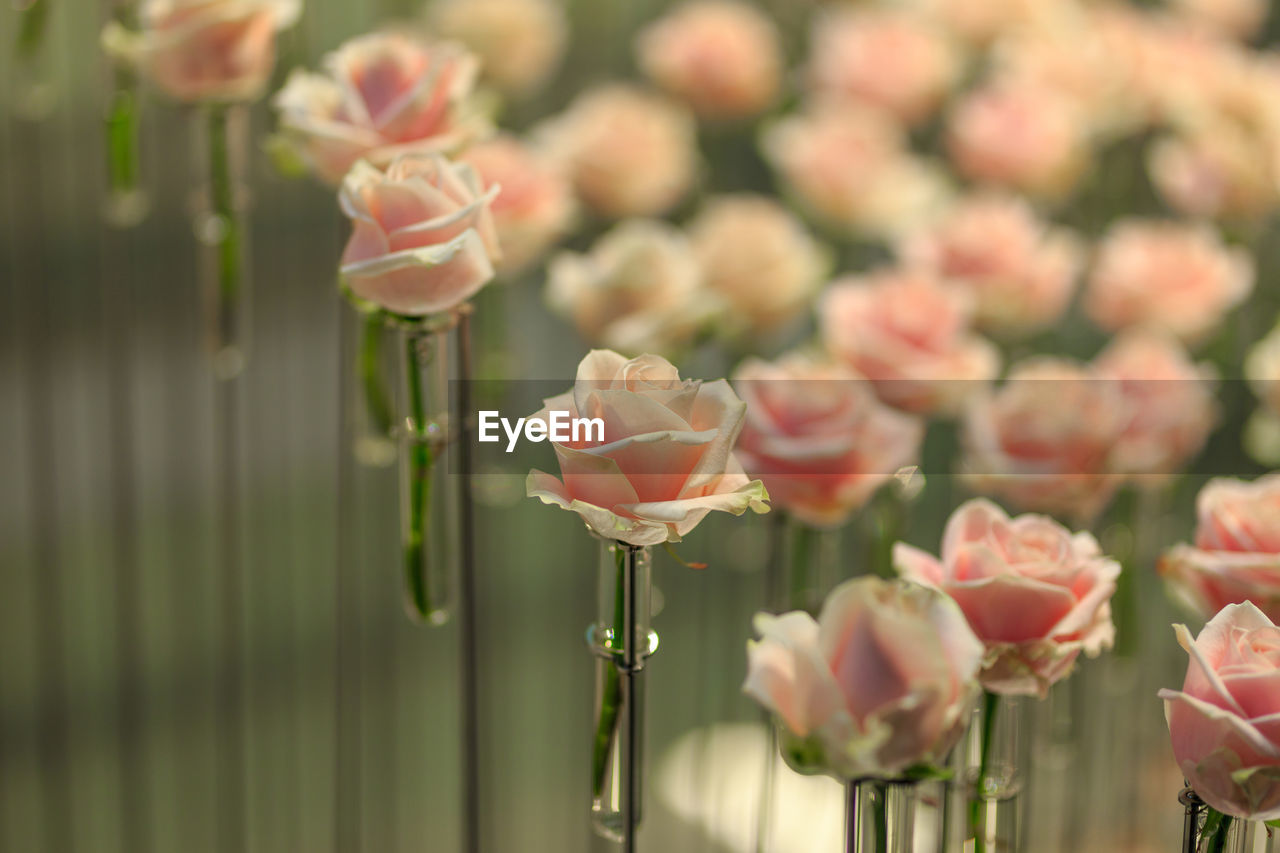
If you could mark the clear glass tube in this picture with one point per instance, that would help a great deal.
(371, 398)
(222, 232)
(880, 817)
(429, 501)
(1231, 835)
(806, 565)
(622, 641)
(994, 761)
(126, 203)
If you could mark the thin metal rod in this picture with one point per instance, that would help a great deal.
(1191, 821)
(852, 817)
(630, 685)
(468, 653)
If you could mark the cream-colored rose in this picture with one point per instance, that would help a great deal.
(1044, 440)
(849, 167)
(381, 95)
(760, 258)
(1169, 401)
(520, 42)
(1021, 136)
(666, 459)
(628, 152)
(888, 58)
(1019, 271)
(1034, 592)
(818, 437)
(205, 50)
(638, 289)
(722, 57)
(910, 335)
(1176, 278)
(981, 21)
(536, 207)
(1236, 553)
(1216, 170)
(880, 683)
(423, 239)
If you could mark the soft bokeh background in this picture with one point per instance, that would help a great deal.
(118, 641)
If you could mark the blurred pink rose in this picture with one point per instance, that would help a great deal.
(423, 238)
(818, 437)
(760, 258)
(638, 289)
(981, 21)
(206, 50)
(720, 56)
(1213, 170)
(1223, 722)
(909, 334)
(1044, 440)
(382, 95)
(1019, 271)
(520, 42)
(849, 167)
(535, 208)
(1177, 278)
(628, 152)
(1034, 592)
(1021, 136)
(1236, 555)
(890, 59)
(1236, 18)
(882, 681)
(1169, 403)
(666, 459)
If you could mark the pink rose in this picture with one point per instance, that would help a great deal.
(1044, 440)
(888, 58)
(1019, 271)
(880, 683)
(721, 57)
(639, 288)
(382, 95)
(760, 258)
(628, 152)
(1177, 278)
(1034, 592)
(909, 334)
(206, 50)
(519, 42)
(536, 207)
(818, 437)
(1169, 401)
(1223, 723)
(666, 459)
(849, 167)
(423, 238)
(1236, 555)
(1021, 136)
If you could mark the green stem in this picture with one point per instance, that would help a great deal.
(611, 698)
(223, 198)
(376, 398)
(978, 805)
(1218, 841)
(31, 29)
(800, 571)
(420, 463)
(880, 797)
